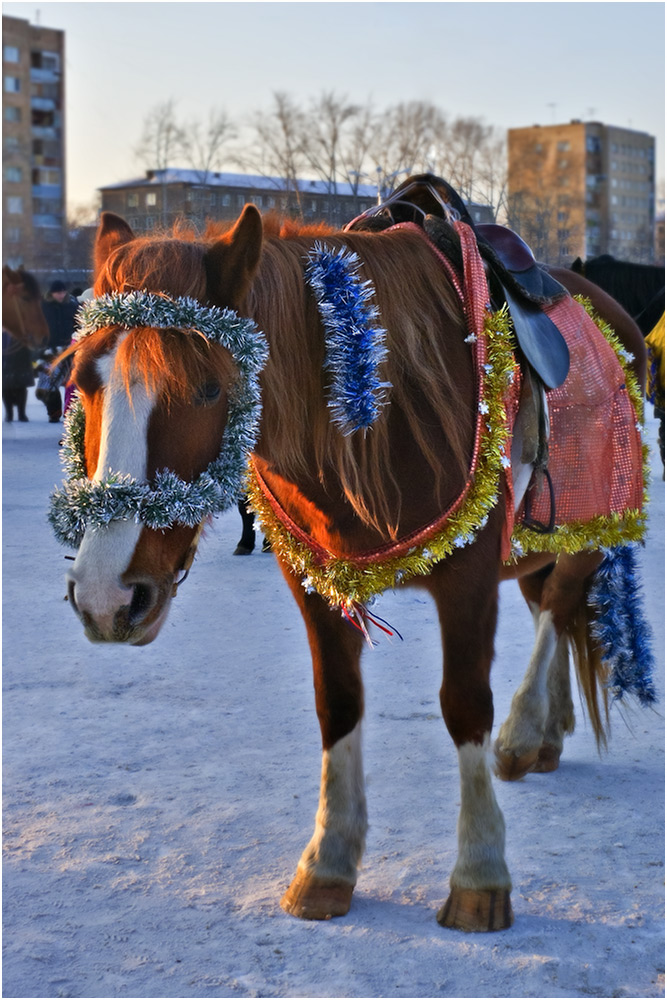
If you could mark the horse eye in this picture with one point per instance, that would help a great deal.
(207, 393)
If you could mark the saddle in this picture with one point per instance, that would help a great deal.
(514, 275)
(514, 278)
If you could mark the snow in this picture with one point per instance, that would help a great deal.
(157, 799)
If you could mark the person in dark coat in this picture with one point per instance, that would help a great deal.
(17, 376)
(60, 311)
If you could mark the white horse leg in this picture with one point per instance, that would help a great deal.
(521, 735)
(327, 871)
(480, 882)
(560, 720)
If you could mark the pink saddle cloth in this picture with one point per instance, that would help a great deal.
(595, 447)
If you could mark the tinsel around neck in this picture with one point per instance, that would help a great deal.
(82, 503)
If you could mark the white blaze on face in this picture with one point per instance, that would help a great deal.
(105, 553)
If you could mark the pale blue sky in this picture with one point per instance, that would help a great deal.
(512, 64)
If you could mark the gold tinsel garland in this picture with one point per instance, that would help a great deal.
(342, 582)
(346, 584)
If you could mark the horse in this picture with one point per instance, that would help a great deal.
(22, 314)
(639, 288)
(355, 457)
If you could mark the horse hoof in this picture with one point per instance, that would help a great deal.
(548, 759)
(312, 898)
(510, 766)
(479, 910)
(242, 550)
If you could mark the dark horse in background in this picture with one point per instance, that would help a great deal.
(156, 398)
(640, 288)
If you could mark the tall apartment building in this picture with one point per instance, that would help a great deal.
(583, 189)
(33, 145)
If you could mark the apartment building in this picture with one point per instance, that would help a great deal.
(583, 189)
(33, 160)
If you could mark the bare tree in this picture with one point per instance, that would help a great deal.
(356, 147)
(404, 140)
(278, 148)
(205, 145)
(324, 135)
(162, 137)
(160, 143)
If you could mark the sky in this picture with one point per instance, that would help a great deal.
(510, 64)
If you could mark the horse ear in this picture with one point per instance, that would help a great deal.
(11, 281)
(578, 266)
(113, 232)
(232, 262)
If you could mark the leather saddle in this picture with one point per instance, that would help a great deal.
(514, 275)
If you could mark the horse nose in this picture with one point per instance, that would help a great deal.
(112, 613)
(144, 598)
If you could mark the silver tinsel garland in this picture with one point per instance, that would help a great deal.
(82, 503)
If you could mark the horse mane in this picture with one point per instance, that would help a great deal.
(30, 283)
(416, 304)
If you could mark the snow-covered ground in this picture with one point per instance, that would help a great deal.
(157, 799)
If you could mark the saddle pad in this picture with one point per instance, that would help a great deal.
(595, 447)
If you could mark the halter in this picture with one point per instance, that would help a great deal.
(82, 503)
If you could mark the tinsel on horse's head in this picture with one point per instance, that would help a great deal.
(83, 503)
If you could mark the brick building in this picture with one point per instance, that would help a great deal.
(162, 197)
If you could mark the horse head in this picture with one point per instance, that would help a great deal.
(165, 415)
(22, 312)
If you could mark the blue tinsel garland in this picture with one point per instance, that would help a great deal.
(354, 343)
(620, 627)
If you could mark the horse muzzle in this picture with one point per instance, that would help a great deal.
(132, 612)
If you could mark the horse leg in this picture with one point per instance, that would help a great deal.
(480, 882)
(247, 541)
(327, 871)
(560, 712)
(541, 713)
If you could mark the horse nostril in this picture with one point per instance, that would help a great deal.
(142, 601)
(70, 596)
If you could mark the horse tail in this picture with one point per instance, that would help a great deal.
(591, 669)
(611, 639)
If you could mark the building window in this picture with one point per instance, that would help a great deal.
(12, 85)
(10, 53)
(563, 147)
(226, 200)
(133, 200)
(15, 206)
(45, 60)
(12, 114)
(13, 174)
(12, 235)
(151, 199)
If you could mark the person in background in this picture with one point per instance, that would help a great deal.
(60, 310)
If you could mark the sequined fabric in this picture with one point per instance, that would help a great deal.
(595, 450)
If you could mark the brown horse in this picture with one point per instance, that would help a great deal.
(22, 312)
(156, 398)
